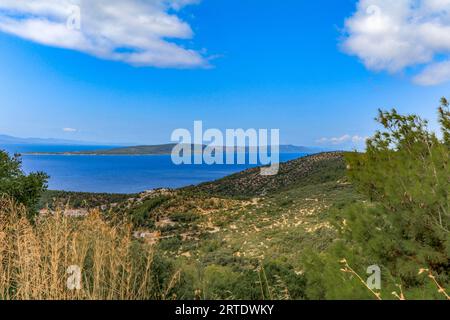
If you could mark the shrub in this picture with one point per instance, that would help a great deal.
(406, 225)
(25, 189)
(142, 216)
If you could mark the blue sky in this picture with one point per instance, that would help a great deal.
(255, 64)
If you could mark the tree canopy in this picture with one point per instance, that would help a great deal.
(404, 227)
(24, 189)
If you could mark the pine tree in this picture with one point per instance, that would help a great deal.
(404, 226)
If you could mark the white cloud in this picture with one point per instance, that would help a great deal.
(394, 35)
(69, 130)
(434, 74)
(138, 32)
(335, 141)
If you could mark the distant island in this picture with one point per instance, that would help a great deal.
(166, 149)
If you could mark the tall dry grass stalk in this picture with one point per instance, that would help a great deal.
(34, 258)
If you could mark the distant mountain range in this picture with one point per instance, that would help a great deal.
(5, 139)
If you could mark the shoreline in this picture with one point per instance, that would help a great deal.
(89, 154)
(130, 154)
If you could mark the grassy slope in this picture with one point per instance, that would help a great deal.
(314, 169)
(269, 221)
(263, 217)
(239, 222)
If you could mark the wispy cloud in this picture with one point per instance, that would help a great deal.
(133, 31)
(335, 141)
(395, 35)
(70, 130)
(434, 74)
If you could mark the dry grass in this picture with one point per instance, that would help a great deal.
(34, 258)
(400, 296)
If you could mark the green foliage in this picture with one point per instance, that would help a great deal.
(219, 282)
(282, 282)
(55, 199)
(444, 120)
(25, 189)
(278, 243)
(142, 215)
(184, 217)
(170, 244)
(313, 169)
(405, 227)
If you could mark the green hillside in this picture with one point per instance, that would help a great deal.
(320, 229)
(314, 169)
(230, 228)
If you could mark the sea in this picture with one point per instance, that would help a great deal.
(118, 174)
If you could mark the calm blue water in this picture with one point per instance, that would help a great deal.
(119, 174)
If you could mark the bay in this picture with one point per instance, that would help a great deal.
(119, 174)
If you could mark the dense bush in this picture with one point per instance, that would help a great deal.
(81, 200)
(142, 215)
(25, 189)
(405, 227)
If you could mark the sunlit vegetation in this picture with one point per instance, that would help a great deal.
(309, 232)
